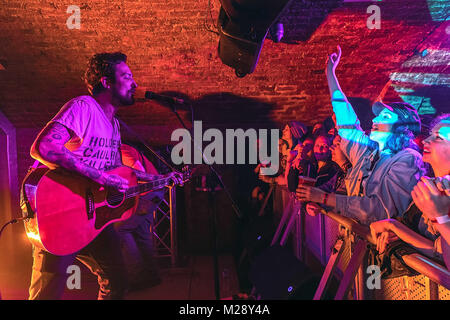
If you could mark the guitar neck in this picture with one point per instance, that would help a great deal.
(148, 186)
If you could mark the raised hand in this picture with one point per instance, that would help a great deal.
(333, 61)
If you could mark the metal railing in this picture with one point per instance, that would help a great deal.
(429, 268)
(436, 274)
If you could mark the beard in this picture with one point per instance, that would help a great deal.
(125, 100)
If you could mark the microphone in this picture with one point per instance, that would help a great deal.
(161, 98)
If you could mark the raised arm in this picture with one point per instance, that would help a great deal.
(49, 148)
(330, 71)
(345, 115)
(347, 122)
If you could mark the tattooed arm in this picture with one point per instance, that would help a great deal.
(49, 149)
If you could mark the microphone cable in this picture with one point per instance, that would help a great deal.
(13, 221)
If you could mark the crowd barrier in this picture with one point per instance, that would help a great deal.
(340, 246)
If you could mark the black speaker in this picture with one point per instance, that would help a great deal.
(256, 238)
(277, 274)
(258, 235)
(239, 48)
(243, 26)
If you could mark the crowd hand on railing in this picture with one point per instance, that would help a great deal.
(382, 234)
(432, 196)
(272, 180)
(269, 179)
(313, 209)
(307, 193)
(266, 178)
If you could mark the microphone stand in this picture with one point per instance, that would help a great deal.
(211, 198)
(233, 204)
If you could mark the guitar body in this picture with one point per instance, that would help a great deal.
(71, 210)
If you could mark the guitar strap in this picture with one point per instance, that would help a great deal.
(142, 160)
(27, 212)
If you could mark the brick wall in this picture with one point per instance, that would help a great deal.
(170, 50)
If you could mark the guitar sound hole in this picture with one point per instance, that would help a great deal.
(114, 197)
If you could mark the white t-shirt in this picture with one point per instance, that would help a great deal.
(97, 140)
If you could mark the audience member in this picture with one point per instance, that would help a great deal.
(338, 156)
(327, 170)
(300, 162)
(292, 134)
(385, 165)
(318, 129)
(426, 223)
(330, 175)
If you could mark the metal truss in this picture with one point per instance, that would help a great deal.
(164, 228)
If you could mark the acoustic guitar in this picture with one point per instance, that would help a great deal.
(68, 210)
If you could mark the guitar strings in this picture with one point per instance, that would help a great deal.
(126, 195)
(123, 196)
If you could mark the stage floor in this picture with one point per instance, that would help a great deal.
(194, 280)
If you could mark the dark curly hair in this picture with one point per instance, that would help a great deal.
(401, 138)
(101, 65)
